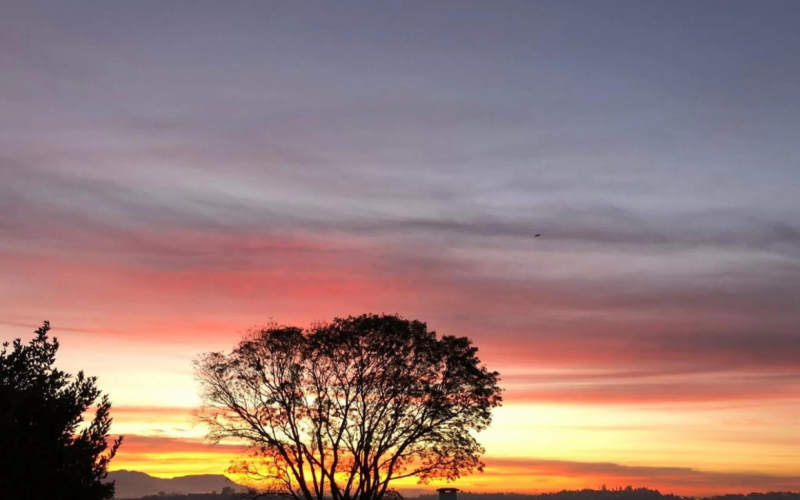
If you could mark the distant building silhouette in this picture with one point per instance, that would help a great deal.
(448, 493)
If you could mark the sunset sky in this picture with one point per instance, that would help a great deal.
(174, 173)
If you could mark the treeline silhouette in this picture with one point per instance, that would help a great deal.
(628, 493)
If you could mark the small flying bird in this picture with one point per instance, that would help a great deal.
(536, 235)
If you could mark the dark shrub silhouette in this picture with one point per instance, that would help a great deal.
(340, 410)
(44, 451)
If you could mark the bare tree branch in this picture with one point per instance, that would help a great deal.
(345, 408)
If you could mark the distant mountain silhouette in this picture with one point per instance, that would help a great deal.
(133, 484)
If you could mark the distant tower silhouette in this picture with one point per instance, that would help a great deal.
(448, 493)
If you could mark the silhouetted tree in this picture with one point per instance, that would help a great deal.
(341, 409)
(45, 451)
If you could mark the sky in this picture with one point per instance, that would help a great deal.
(175, 173)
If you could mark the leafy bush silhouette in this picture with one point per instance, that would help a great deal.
(45, 452)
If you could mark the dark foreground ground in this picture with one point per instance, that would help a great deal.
(619, 494)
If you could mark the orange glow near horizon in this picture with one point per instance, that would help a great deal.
(602, 196)
(582, 407)
(537, 448)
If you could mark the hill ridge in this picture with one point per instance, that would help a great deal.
(135, 484)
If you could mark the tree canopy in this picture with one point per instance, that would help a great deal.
(341, 409)
(46, 450)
